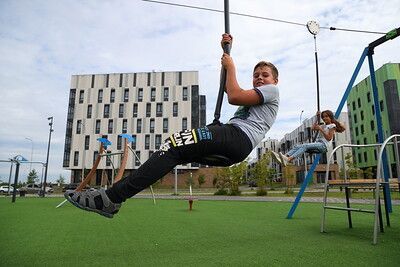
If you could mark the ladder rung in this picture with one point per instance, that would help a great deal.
(348, 209)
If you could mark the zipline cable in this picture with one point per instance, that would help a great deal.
(259, 17)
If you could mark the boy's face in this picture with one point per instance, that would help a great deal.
(262, 76)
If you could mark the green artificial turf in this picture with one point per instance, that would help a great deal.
(216, 233)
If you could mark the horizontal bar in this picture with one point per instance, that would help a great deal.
(348, 209)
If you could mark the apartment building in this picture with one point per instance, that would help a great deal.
(362, 114)
(150, 106)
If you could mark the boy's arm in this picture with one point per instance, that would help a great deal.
(237, 95)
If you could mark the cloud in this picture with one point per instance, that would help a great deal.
(43, 43)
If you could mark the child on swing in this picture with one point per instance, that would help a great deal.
(323, 142)
(234, 140)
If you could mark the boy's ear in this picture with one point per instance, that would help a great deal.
(276, 81)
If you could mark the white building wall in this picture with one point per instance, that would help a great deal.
(175, 81)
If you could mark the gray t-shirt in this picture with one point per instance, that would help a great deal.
(256, 120)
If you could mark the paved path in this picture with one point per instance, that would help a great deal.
(260, 199)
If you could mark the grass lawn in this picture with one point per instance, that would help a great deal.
(216, 233)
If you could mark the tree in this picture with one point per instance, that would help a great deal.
(221, 180)
(238, 171)
(189, 180)
(201, 179)
(261, 173)
(32, 177)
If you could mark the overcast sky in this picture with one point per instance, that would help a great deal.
(43, 43)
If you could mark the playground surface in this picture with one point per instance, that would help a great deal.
(214, 233)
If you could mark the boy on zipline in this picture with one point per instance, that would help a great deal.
(323, 142)
(234, 140)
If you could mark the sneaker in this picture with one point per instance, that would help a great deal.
(276, 157)
(284, 159)
(86, 200)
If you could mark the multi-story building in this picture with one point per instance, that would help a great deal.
(361, 110)
(149, 106)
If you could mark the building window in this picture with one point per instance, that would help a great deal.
(373, 109)
(152, 123)
(108, 158)
(369, 97)
(153, 94)
(133, 144)
(139, 126)
(134, 79)
(365, 141)
(159, 110)
(356, 131)
(76, 158)
(372, 126)
(355, 118)
(126, 95)
(166, 93)
(353, 105)
(165, 125)
(112, 96)
(362, 114)
(359, 102)
(106, 111)
(121, 111)
(97, 130)
(110, 126)
(362, 128)
(81, 96)
(89, 111)
(119, 142)
(124, 126)
(87, 142)
(148, 78)
(121, 77)
(95, 155)
(140, 95)
(365, 156)
(180, 78)
(175, 109)
(78, 126)
(162, 78)
(376, 138)
(147, 141)
(381, 105)
(184, 124)
(185, 93)
(158, 141)
(137, 158)
(359, 157)
(100, 96)
(148, 110)
(107, 80)
(135, 110)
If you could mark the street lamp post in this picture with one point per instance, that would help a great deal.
(30, 167)
(47, 158)
(301, 114)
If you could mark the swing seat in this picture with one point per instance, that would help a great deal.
(216, 160)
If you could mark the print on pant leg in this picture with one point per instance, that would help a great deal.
(204, 133)
(186, 137)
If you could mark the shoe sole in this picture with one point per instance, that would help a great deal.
(278, 159)
(282, 160)
(70, 200)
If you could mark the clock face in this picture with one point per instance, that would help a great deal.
(313, 27)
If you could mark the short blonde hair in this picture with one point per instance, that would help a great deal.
(274, 70)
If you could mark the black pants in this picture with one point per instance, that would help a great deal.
(181, 148)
